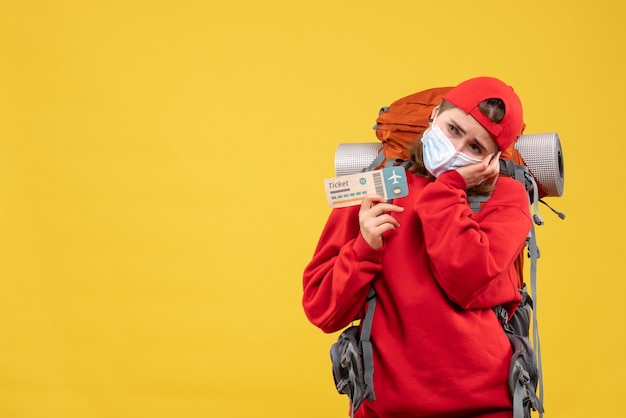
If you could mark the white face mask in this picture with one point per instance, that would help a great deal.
(439, 153)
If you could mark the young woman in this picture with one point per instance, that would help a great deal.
(438, 268)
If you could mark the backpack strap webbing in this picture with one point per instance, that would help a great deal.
(533, 253)
(376, 162)
(366, 344)
(475, 201)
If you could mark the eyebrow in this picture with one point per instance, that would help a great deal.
(476, 141)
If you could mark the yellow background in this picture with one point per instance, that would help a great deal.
(161, 168)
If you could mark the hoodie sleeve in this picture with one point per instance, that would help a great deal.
(472, 254)
(337, 280)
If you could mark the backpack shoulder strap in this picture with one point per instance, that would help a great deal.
(533, 253)
(521, 408)
(366, 344)
(377, 162)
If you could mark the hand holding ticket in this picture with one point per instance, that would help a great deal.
(349, 190)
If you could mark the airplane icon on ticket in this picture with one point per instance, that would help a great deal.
(394, 177)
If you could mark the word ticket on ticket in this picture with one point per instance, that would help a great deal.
(350, 190)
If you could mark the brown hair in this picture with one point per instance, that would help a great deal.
(492, 108)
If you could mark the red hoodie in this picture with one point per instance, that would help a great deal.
(439, 350)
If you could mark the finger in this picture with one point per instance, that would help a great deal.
(373, 229)
(377, 220)
(488, 159)
(386, 219)
(377, 229)
(373, 199)
(370, 200)
(387, 207)
(494, 171)
(367, 203)
(378, 205)
(380, 213)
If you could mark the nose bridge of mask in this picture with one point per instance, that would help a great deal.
(457, 158)
(440, 154)
(439, 137)
(442, 139)
(442, 149)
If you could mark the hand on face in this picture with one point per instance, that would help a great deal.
(375, 220)
(485, 171)
(455, 141)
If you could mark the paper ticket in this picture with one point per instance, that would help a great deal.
(349, 190)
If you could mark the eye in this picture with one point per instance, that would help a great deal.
(475, 148)
(453, 129)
